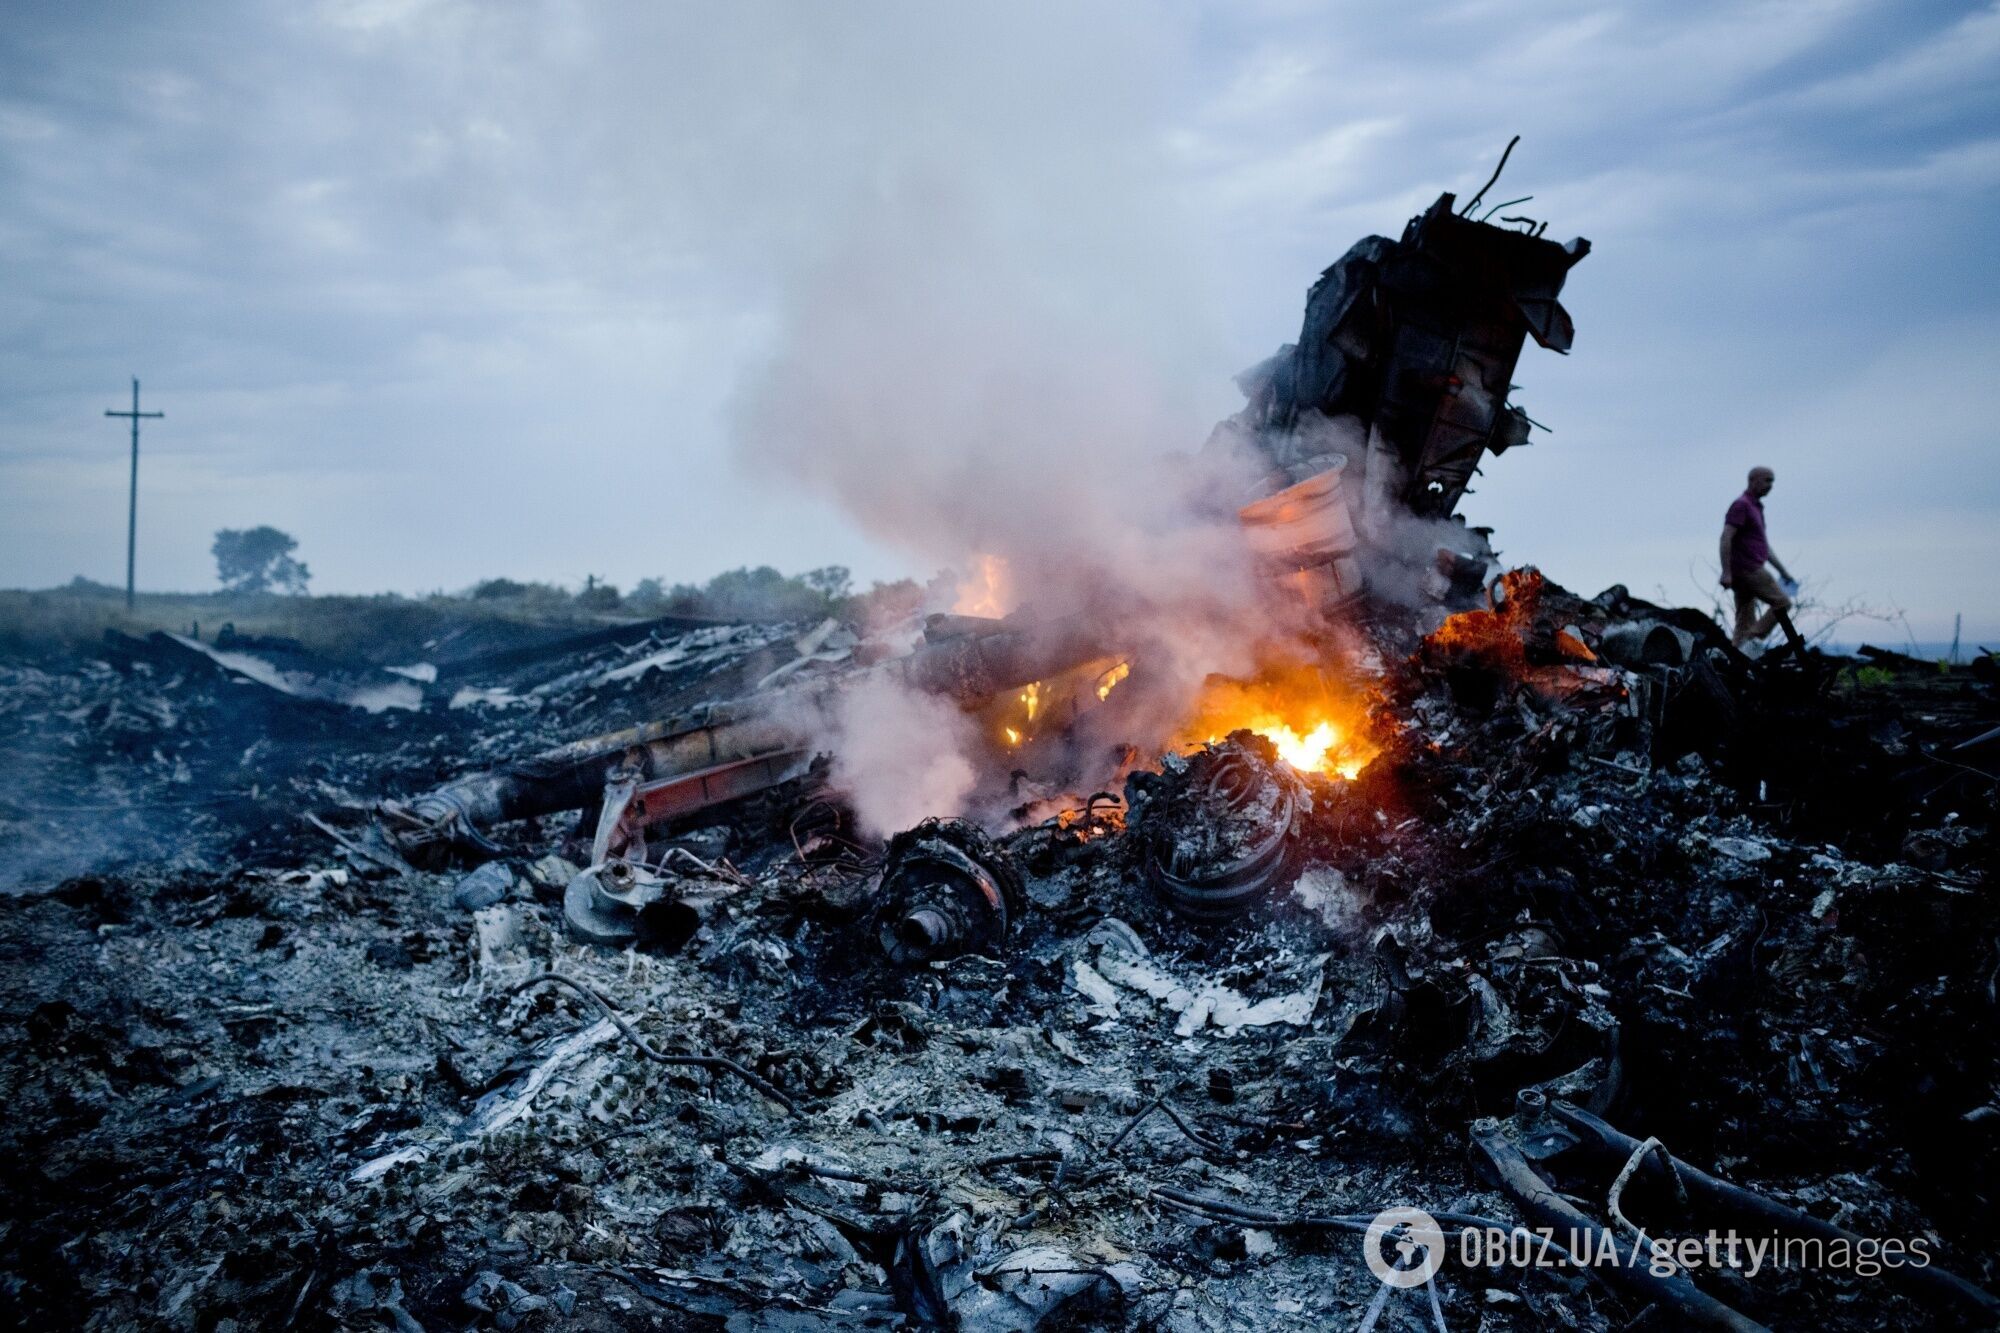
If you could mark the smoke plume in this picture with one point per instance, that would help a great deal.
(900, 755)
(959, 399)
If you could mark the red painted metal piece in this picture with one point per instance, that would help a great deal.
(628, 812)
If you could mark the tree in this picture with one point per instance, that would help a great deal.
(761, 593)
(257, 560)
(832, 582)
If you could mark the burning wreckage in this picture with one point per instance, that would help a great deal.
(1476, 896)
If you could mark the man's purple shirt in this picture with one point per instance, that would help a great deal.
(1752, 548)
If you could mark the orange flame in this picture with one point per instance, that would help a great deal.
(1316, 726)
(1495, 638)
(1109, 680)
(1098, 822)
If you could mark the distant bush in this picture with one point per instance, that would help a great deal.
(746, 594)
(526, 596)
(761, 593)
(882, 605)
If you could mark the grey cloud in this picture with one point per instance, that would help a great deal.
(400, 270)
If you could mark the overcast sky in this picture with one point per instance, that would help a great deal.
(451, 290)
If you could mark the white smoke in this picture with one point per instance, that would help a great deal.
(900, 755)
(1398, 549)
(959, 397)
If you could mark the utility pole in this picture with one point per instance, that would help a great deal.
(132, 508)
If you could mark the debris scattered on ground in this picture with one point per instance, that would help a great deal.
(559, 988)
(992, 1063)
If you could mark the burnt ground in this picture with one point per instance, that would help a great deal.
(255, 1082)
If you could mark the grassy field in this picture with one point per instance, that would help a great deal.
(383, 629)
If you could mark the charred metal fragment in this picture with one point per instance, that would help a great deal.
(1416, 339)
(946, 890)
(680, 764)
(1722, 1202)
(1504, 1163)
(1452, 304)
(1305, 535)
(973, 660)
(618, 902)
(1644, 643)
(633, 801)
(718, 752)
(1217, 828)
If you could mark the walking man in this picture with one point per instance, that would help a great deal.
(1745, 552)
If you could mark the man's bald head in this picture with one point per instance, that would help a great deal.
(1761, 479)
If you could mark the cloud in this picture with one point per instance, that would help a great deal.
(1939, 67)
(393, 265)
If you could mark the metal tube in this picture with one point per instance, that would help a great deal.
(572, 776)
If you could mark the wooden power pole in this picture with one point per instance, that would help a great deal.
(132, 508)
